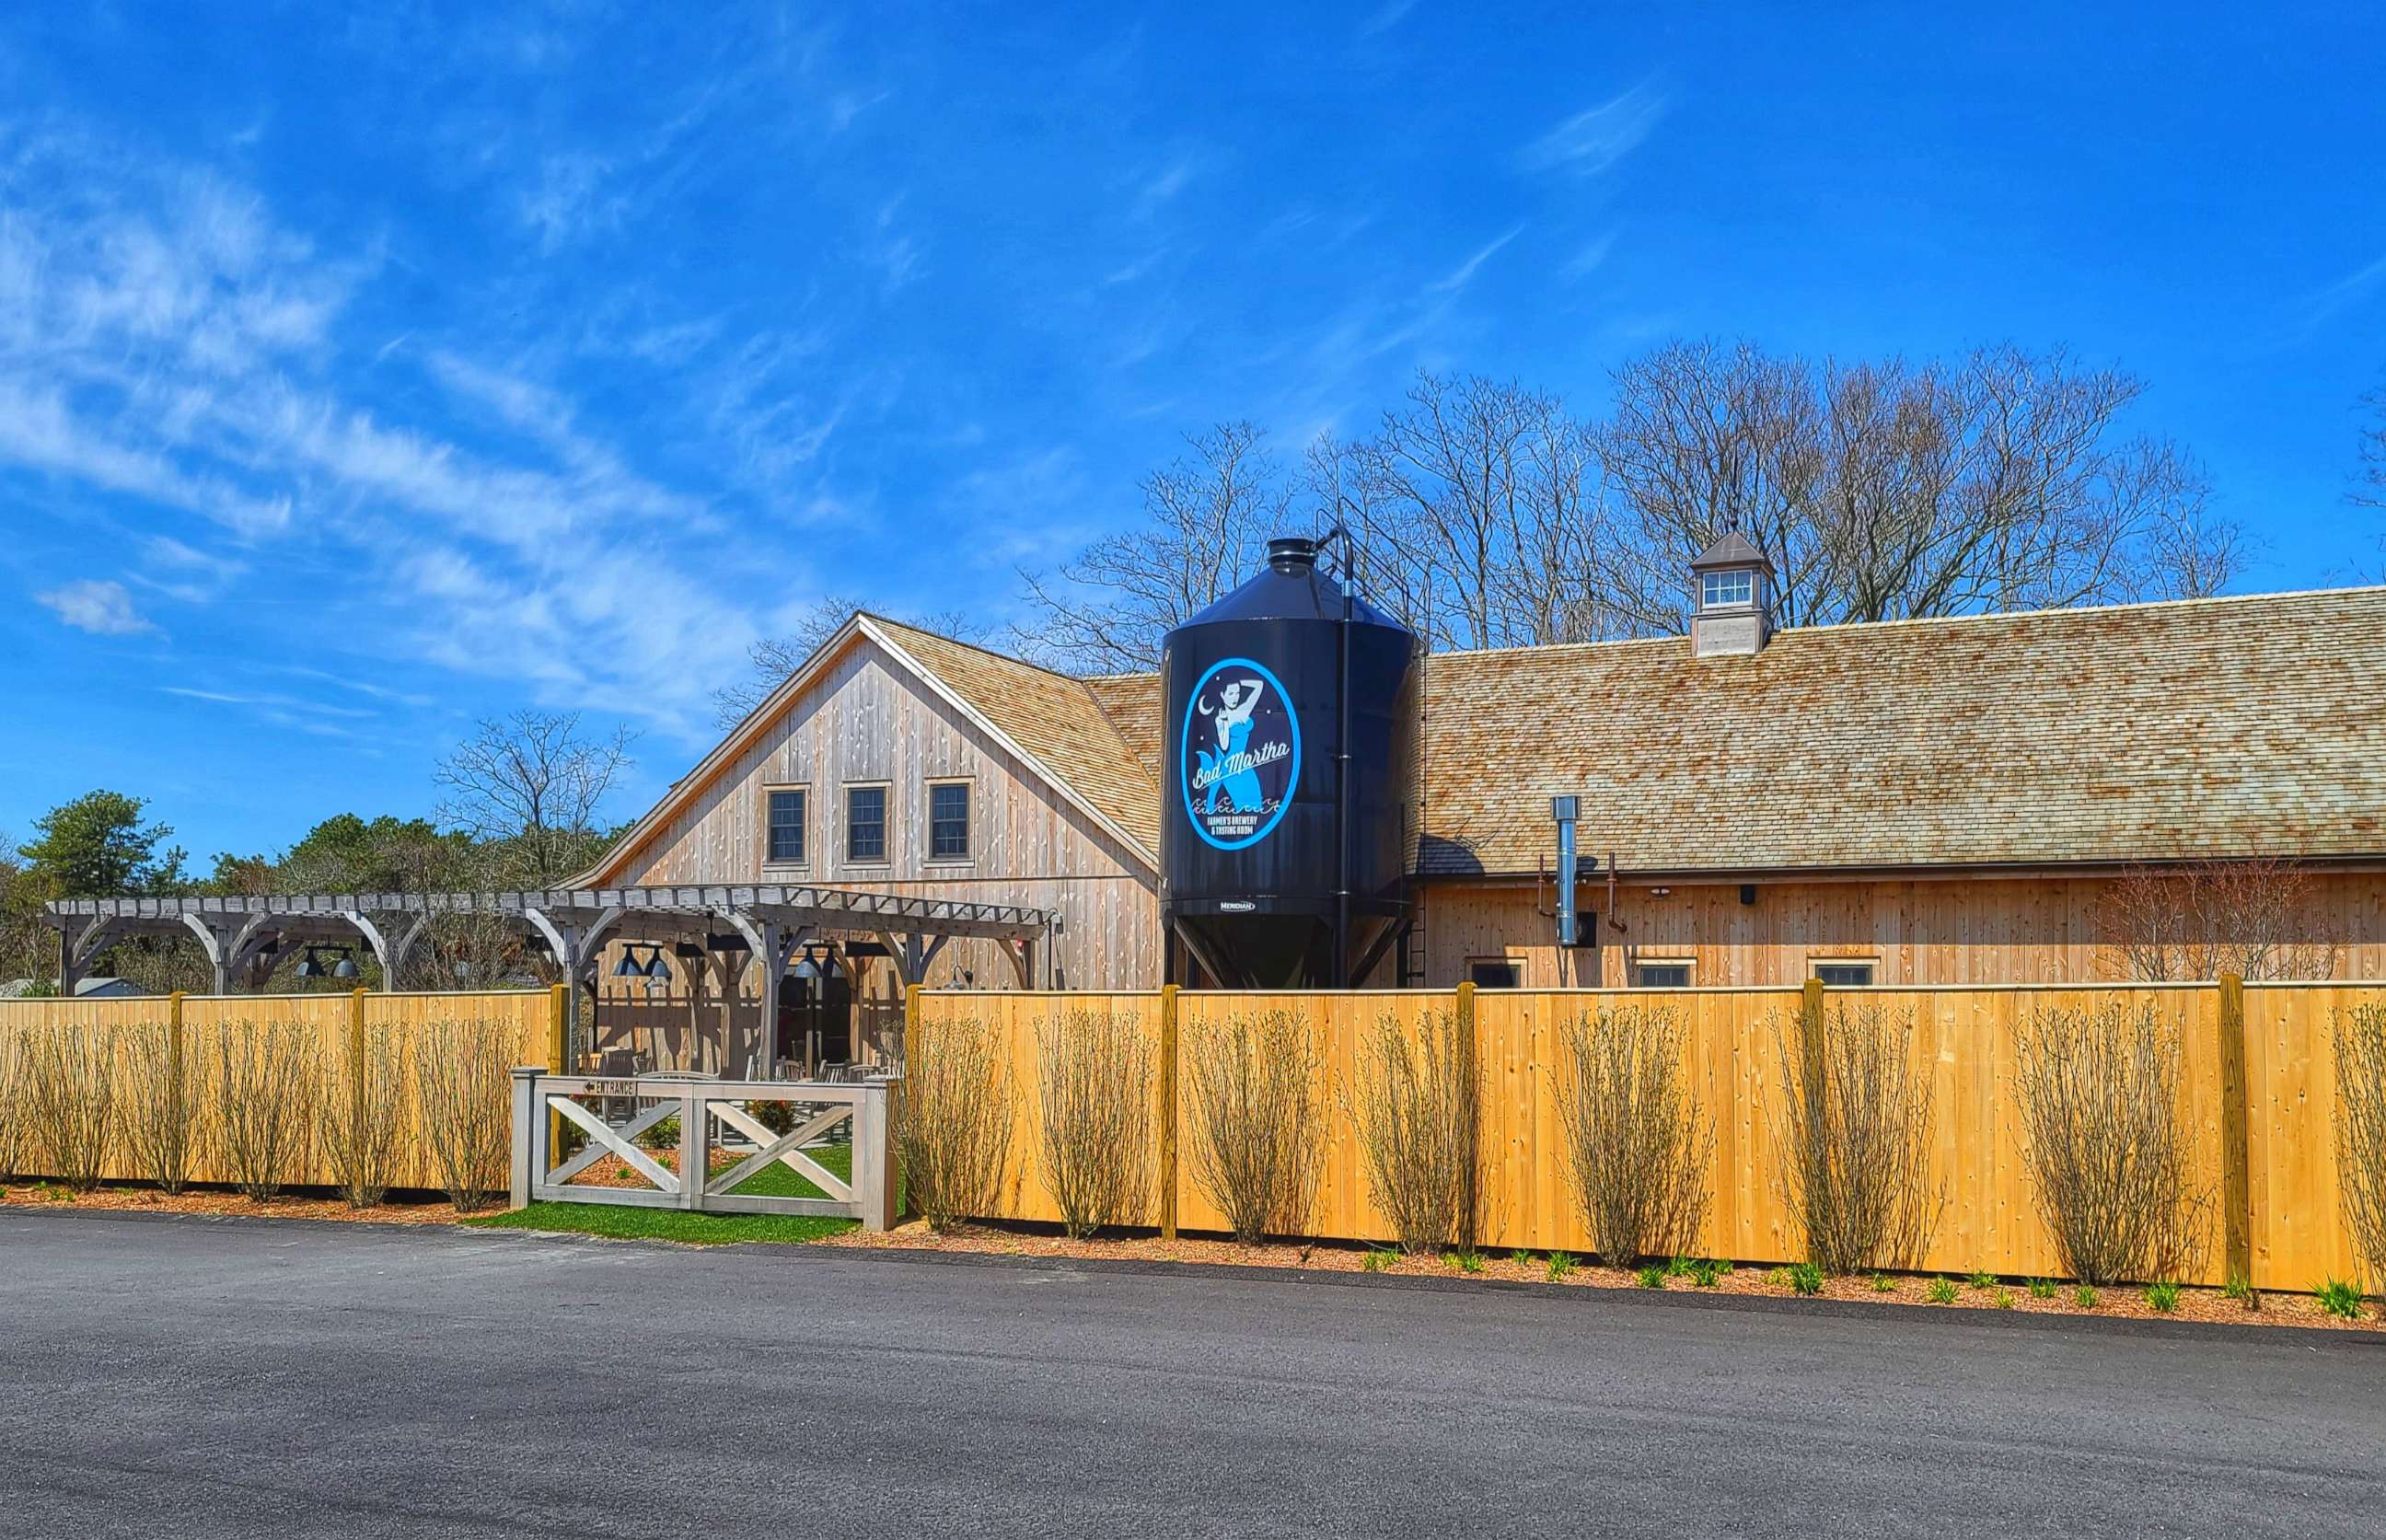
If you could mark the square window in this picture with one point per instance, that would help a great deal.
(949, 822)
(1843, 974)
(1496, 974)
(1727, 590)
(865, 824)
(785, 839)
(1662, 975)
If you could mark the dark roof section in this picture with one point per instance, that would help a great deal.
(1732, 549)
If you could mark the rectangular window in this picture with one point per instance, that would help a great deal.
(786, 846)
(1845, 974)
(1725, 590)
(1662, 975)
(865, 824)
(1496, 973)
(949, 822)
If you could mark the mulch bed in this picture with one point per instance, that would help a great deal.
(223, 1203)
(2115, 1303)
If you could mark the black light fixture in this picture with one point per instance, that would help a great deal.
(309, 968)
(627, 966)
(657, 969)
(346, 967)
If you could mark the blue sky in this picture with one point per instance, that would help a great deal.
(360, 376)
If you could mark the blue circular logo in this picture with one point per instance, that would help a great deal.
(1238, 754)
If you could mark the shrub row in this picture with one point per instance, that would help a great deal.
(261, 1101)
(2108, 1138)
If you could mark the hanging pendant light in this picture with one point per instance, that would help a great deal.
(657, 968)
(346, 967)
(628, 966)
(309, 968)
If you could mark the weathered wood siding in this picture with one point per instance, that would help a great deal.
(869, 720)
(1955, 930)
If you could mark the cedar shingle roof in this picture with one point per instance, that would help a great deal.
(1056, 718)
(2136, 733)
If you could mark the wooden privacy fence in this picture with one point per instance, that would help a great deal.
(348, 1032)
(2258, 1082)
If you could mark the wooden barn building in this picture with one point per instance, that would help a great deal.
(1918, 802)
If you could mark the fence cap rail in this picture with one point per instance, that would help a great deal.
(671, 1087)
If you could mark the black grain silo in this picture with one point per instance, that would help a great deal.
(1286, 780)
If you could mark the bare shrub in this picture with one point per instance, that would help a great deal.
(1096, 1074)
(2361, 1129)
(952, 1133)
(1637, 1146)
(1858, 1115)
(364, 1115)
(16, 1123)
(68, 1097)
(162, 1104)
(1251, 1097)
(1418, 1107)
(2110, 1146)
(2201, 919)
(463, 1093)
(267, 1078)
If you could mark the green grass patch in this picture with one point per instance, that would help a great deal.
(622, 1222)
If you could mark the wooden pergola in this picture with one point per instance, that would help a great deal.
(243, 936)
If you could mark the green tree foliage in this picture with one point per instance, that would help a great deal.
(98, 847)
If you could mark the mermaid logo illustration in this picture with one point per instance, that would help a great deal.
(1239, 754)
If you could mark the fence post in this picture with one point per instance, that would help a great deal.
(529, 1157)
(1813, 1073)
(2236, 1169)
(694, 1148)
(1464, 1007)
(874, 1157)
(558, 1036)
(1168, 1112)
(174, 1055)
(356, 1074)
(910, 1018)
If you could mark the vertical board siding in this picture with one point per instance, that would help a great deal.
(1734, 1041)
(520, 1015)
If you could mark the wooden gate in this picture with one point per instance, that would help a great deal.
(714, 1116)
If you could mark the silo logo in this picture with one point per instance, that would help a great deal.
(1238, 756)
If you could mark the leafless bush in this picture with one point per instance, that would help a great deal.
(1418, 1107)
(953, 1133)
(2361, 1129)
(1637, 1146)
(464, 1069)
(1096, 1073)
(267, 1078)
(162, 1104)
(2201, 919)
(2110, 1146)
(364, 1116)
(1252, 1094)
(68, 1097)
(15, 1121)
(1856, 1116)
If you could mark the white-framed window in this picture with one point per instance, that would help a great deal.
(1661, 973)
(865, 825)
(1845, 972)
(785, 810)
(949, 821)
(1727, 590)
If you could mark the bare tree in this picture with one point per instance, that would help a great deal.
(776, 659)
(1206, 520)
(2359, 1037)
(2200, 920)
(1890, 490)
(2371, 490)
(533, 782)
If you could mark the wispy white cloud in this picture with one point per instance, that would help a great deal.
(1387, 17)
(571, 200)
(1586, 260)
(1463, 274)
(2347, 292)
(1592, 140)
(101, 607)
